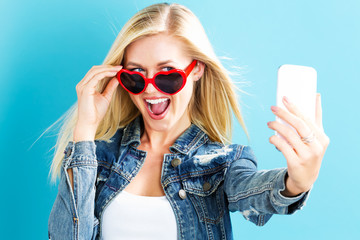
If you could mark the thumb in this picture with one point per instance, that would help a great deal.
(110, 88)
(318, 114)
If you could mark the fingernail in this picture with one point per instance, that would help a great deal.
(268, 123)
(286, 100)
(274, 108)
(116, 68)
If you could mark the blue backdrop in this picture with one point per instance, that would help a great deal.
(46, 47)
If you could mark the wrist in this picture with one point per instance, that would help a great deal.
(292, 189)
(84, 133)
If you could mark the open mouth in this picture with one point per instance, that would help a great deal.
(157, 106)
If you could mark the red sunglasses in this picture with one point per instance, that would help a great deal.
(168, 82)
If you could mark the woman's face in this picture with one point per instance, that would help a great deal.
(149, 55)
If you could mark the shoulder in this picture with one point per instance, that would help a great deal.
(231, 151)
(108, 150)
(213, 154)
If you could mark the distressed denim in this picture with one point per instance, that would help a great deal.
(203, 181)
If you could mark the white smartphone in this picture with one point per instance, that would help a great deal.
(298, 84)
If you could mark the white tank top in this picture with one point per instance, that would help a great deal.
(130, 217)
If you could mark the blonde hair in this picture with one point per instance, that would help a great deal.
(214, 98)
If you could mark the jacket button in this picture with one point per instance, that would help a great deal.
(206, 186)
(176, 162)
(68, 153)
(182, 194)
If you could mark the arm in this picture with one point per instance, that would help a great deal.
(257, 194)
(303, 148)
(72, 215)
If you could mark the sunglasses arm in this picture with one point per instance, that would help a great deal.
(190, 67)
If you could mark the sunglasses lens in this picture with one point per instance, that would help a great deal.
(132, 82)
(170, 83)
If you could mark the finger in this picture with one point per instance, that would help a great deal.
(318, 113)
(95, 70)
(110, 88)
(289, 136)
(92, 83)
(292, 108)
(92, 71)
(90, 86)
(283, 147)
(100, 70)
(318, 130)
(296, 122)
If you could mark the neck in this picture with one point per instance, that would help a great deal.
(154, 139)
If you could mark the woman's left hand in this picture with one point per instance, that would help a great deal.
(303, 153)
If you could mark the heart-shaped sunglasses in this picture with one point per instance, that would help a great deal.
(168, 82)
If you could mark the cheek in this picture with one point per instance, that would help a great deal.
(136, 100)
(189, 89)
(185, 95)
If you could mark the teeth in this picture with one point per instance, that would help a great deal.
(149, 108)
(156, 101)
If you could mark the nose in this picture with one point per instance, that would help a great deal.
(150, 87)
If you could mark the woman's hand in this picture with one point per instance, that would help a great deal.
(92, 105)
(303, 154)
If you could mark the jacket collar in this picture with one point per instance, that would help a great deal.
(192, 138)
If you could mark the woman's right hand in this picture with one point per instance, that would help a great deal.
(92, 105)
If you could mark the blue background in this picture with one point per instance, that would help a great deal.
(46, 47)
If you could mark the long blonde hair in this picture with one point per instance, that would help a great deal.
(214, 98)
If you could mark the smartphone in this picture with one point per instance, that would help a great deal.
(298, 84)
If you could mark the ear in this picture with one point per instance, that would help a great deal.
(198, 70)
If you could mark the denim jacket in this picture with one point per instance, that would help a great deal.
(203, 181)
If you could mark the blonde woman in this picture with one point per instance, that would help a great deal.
(146, 154)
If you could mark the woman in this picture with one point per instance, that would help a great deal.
(151, 159)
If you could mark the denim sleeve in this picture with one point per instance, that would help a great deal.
(256, 194)
(72, 215)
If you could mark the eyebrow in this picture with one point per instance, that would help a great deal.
(133, 64)
(165, 62)
(159, 64)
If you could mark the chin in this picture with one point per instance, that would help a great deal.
(161, 125)
(170, 120)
